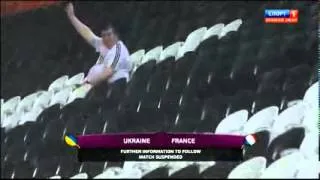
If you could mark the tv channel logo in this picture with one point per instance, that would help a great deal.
(282, 16)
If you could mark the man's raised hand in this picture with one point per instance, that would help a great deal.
(69, 9)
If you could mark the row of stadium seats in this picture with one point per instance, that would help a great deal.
(59, 91)
(55, 46)
(282, 139)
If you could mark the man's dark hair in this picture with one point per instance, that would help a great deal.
(111, 26)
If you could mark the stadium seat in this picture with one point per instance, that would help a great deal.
(311, 95)
(209, 120)
(61, 97)
(30, 116)
(11, 121)
(188, 117)
(74, 80)
(116, 93)
(297, 79)
(203, 165)
(305, 171)
(7, 170)
(233, 123)
(219, 170)
(93, 168)
(243, 99)
(191, 171)
(310, 120)
(27, 102)
(294, 102)
(176, 166)
(136, 59)
(43, 100)
(250, 169)
(15, 153)
(58, 84)
(18, 134)
(143, 166)
(308, 147)
(160, 172)
(286, 167)
(53, 132)
(153, 54)
(287, 119)
(140, 79)
(35, 132)
(48, 167)
(25, 169)
(78, 93)
(158, 80)
(170, 51)
(233, 26)
(112, 173)
(192, 42)
(260, 147)
(10, 105)
(55, 177)
(285, 143)
(80, 176)
(213, 31)
(261, 120)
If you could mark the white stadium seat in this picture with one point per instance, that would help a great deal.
(285, 167)
(153, 54)
(80, 176)
(294, 102)
(287, 119)
(233, 26)
(311, 119)
(176, 166)
(213, 31)
(61, 97)
(250, 169)
(30, 116)
(10, 105)
(192, 42)
(262, 120)
(110, 173)
(233, 123)
(58, 84)
(143, 167)
(78, 93)
(311, 97)
(26, 103)
(43, 100)
(308, 169)
(55, 177)
(11, 121)
(310, 146)
(136, 58)
(170, 51)
(76, 79)
(204, 165)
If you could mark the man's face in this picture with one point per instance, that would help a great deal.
(108, 37)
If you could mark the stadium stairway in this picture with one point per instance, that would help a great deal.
(221, 79)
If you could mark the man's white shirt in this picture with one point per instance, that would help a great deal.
(117, 58)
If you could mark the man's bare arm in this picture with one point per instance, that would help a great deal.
(106, 74)
(82, 29)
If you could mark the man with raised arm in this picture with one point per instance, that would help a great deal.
(113, 62)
